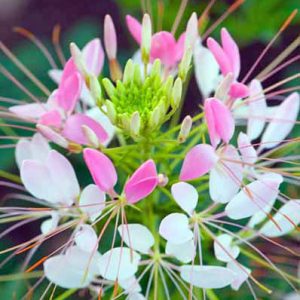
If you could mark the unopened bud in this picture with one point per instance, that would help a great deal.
(53, 136)
(75, 148)
(95, 89)
(185, 63)
(128, 72)
(109, 87)
(135, 123)
(146, 38)
(111, 112)
(156, 68)
(191, 32)
(110, 38)
(90, 136)
(185, 129)
(157, 114)
(176, 93)
(162, 180)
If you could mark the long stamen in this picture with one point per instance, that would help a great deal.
(179, 15)
(56, 43)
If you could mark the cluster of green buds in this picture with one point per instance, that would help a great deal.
(139, 104)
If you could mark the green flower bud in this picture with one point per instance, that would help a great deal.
(176, 93)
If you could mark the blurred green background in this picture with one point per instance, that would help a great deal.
(252, 25)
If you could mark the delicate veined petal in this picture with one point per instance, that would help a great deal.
(86, 238)
(92, 201)
(257, 110)
(137, 237)
(175, 228)
(63, 177)
(130, 285)
(287, 218)
(253, 198)
(73, 269)
(101, 168)
(227, 252)
(198, 161)
(206, 69)
(31, 111)
(142, 182)
(282, 122)
(186, 196)
(242, 274)
(93, 56)
(208, 277)
(50, 224)
(219, 121)
(228, 174)
(36, 149)
(69, 91)
(261, 215)
(248, 152)
(135, 28)
(74, 132)
(96, 114)
(184, 252)
(163, 47)
(220, 56)
(232, 51)
(119, 263)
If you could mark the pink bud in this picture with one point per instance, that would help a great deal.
(52, 135)
(135, 28)
(110, 38)
(238, 90)
(101, 168)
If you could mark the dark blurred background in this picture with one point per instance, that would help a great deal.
(252, 25)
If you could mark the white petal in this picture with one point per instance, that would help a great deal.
(136, 296)
(137, 237)
(175, 228)
(92, 201)
(63, 177)
(226, 174)
(253, 198)
(130, 285)
(119, 263)
(206, 69)
(186, 196)
(287, 217)
(257, 110)
(282, 122)
(50, 224)
(86, 96)
(228, 251)
(31, 111)
(208, 277)
(248, 152)
(86, 238)
(242, 273)
(55, 75)
(184, 252)
(96, 114)
(292, 296)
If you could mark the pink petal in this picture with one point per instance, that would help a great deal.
(135, 28)
(110, 38)
(198, 161)
(69, 91)
(238, 90)
(51, 118)
(101, 168)
(180, 47)
(74, 132)
(232, 51)
(69, 69)
(93, 56)
(142, 182)
(220, 56)
(282, 123)
(32, 110)
(163, 47)
(219, 121)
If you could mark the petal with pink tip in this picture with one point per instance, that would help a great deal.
(220, 56)
(110, 38)
(101, 168)
(73, 129)
(282, 122)
(31, 111)
(253, 198)
(180, 47)
(186, 196)
(208, 277)
(92, 201)
(69, 70)
(198, 161)
(249, 155)
(142, 182)
(232, 51)
(69, 91)
(175, 228)
(284, 221)
(257, 110)
(93, 56)
(51, 118)
(163, 47)
(228, 174)
(135, 28)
